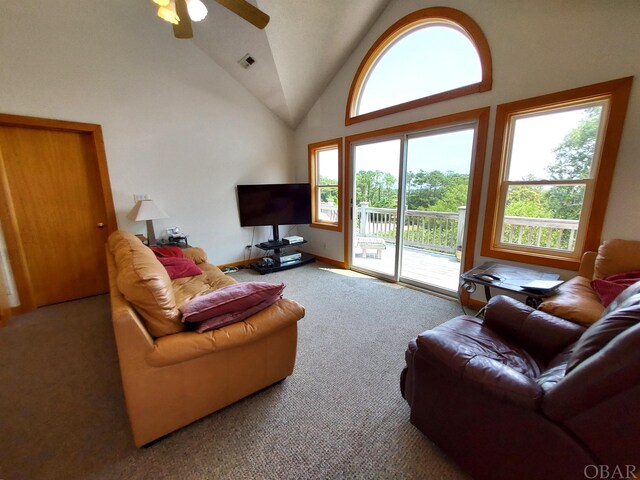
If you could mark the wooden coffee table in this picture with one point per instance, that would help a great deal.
(510, 279)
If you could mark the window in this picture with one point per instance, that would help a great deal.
(552, 165)
(325, 176)
(428, 56)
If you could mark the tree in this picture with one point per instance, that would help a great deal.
(454, 197)
(436, 191)
(574, 157)
(329, 194)
(378, 188)
(526, 201)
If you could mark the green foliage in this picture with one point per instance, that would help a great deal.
(526, 201)
(329, 194)
(454, 197)
(328, 181)
(574, 157)
(377, 188)
(434, 191)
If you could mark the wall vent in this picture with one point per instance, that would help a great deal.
(247, 61)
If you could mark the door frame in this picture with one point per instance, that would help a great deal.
(8, 220)
(481, 117)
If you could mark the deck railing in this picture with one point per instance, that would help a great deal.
(442, 231)
(540, 232)
(329, 213)
(436, 231)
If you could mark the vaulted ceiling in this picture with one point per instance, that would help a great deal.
(296, 55)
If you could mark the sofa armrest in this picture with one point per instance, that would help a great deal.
(485, 373)
(185, 346)
(539, 333)
(588, 264)
(575, 301)
(196, 254)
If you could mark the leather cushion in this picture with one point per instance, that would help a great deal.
(606, 329)
(211, 279)
(539, 333)
(145, 283)
(575, 301)
(196, 254)
(479, 356)
(617, 256)
(234, 298)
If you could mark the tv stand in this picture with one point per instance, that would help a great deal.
(277, 246)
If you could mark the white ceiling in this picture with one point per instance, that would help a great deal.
(297, 54)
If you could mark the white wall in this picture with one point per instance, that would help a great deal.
(537, 48)
(176, 126)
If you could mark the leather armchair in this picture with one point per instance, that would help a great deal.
(524, 394)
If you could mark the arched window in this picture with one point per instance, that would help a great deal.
(428, 56)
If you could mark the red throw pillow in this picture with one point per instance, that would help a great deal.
(229, 318)
(610, 287)
(167, 252)
(179, 267)
(234, 298)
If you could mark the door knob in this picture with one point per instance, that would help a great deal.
(100, 225)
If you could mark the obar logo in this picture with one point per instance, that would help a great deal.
(607, 472)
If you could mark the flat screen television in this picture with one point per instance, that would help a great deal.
(274, 204)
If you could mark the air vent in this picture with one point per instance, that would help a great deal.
(247, 61)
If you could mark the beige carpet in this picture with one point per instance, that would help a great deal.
(340, 415)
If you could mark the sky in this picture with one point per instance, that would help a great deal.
(534, 140)
(429, 60)
(449, 151)
(426, 61)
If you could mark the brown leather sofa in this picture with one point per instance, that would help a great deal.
(523, 394)
(576, 300)
(172, 377)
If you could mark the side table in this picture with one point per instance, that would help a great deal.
(511, 279)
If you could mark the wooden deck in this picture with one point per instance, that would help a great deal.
(418, 265)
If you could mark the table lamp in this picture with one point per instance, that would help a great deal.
(147, 210)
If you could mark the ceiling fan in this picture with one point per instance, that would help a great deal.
(180, 13)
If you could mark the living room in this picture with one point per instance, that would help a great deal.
(181, 129)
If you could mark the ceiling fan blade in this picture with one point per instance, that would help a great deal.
(247, 11)
(182, 29)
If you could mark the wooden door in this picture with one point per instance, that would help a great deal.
(56, 188)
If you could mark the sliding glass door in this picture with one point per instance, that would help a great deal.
(436, 187)
(376, 166)
(409, 198)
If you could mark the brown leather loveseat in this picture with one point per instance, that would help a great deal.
(172, 377)
(523, 394)
(576, 299)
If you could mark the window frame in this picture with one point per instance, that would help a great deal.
(410, 22)
(313, 150)
(616, 93)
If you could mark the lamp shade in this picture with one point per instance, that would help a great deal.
(147, 210)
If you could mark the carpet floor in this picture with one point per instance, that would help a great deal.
(340, 415)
